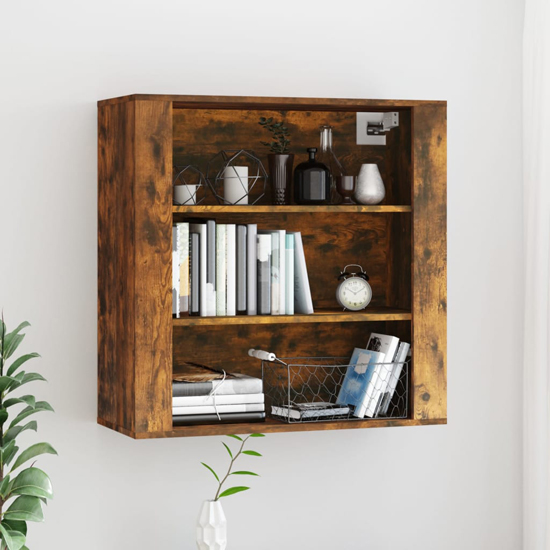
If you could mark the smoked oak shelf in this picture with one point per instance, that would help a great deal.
(401, 244)
(287, 209)
(320, 316)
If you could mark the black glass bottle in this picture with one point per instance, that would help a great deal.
(311, 181)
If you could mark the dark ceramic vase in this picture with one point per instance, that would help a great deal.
(280, 174)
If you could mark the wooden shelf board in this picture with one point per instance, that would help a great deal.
(271, 426)
(289, 209)
(321, 316)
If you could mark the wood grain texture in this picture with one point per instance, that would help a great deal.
(289, 209)
(199, 134)
(271, 426)
(115, 264)
(320, 316)
(430, 262)
(301, 103)
(153, 260)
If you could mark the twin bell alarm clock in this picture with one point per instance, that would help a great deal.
(353, 291)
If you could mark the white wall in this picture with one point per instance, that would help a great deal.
(432, 488)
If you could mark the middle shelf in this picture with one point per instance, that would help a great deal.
(320, 316)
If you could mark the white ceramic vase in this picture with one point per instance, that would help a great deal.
(370, 187)
(211, 527)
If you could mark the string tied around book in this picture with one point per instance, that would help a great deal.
(213, 394)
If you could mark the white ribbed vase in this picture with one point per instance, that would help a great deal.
(211, 527)
(370, 187)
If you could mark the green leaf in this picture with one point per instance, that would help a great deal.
(26, 378)
(11, 343)
(7, 451)
(32, 482)
(215, 474)
(251, 453)
(257, 435)
(269, 120)
(6, 382)
(18, 362)
(244, 473)
(28, 399)
(228, 450)
(25, 508)
(34, 450)
(27, 411)
(14, 525)
(12, 433)
(13, 539)
(233, 490)
(4, 487)
(235, 437)
(3, 416)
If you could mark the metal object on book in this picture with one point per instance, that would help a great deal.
(309, 389)
(236, 177)
(189, 185)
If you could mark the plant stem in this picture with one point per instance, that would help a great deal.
(229, 471)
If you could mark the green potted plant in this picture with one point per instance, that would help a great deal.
(279, 159)
(23, 490)
(212, 525)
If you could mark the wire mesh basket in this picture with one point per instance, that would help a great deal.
(316, 389)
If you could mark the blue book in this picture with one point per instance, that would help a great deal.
(358, 376)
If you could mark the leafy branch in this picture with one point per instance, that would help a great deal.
(30, 487)
(280, 135)
(241, 451)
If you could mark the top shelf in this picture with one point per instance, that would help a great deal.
(251, 209)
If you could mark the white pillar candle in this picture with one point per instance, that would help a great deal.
(185, 194)
(235, 184)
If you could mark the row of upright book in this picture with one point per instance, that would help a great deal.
(232, 269)
(202, 395)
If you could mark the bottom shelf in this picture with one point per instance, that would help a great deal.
(271, 426)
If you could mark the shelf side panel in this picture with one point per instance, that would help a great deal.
(115, 264)
(153, 265)
(430, 262)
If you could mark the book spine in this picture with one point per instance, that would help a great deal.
(302, 293)
(211, 266)
(200, 228)
(401, 357)
(221, 269)
(264, 274)
(194, 269)
(183, 251)
(282, 272)
(219, 409)
(203, 400)
(188, 420)
(231, 265)
(175, 273)
(252, 281)
(275, 274)
(289, 288)
(229, 387)
(241, 269)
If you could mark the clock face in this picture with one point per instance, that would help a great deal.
(354, 293)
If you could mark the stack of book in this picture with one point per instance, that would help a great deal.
(228, 269)
(373, 375)
(202, 395)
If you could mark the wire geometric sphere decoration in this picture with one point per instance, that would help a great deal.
(236, 177)
(189, 185)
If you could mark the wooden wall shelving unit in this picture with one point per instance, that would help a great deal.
(401, 243)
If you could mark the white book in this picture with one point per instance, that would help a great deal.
(231, 264)
(211, 409)
(175, 273)
(221, 269)
(302, 293)
(282, 271)
(388, 345)
(251, 267)
(401, 357)
(183, 252)
(289, 274)
(203, 400)
(275, 274)
(200, 228)
(210, 287)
